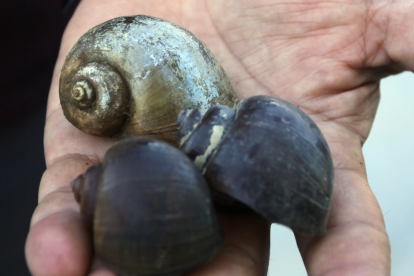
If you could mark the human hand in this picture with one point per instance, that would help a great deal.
(325, 57)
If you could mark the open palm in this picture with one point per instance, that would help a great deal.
(326, 57)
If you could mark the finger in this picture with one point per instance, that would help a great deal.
(58, 242)
(58, 245)
(246, 248)
(356, 242)
(395, 19)
(63, 139)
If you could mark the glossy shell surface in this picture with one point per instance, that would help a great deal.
(275, 160)
(153, 214)
(164, 68)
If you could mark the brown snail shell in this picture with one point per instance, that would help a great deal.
(152, 213)
(269, 155)
(130, 76)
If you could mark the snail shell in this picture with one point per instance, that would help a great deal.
(270, 156)
(152, 213)
(130, 76)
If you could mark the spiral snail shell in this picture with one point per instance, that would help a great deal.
(130, 76)
(149, 209)
(266, 154)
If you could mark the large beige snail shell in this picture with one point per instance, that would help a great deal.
(130, 76)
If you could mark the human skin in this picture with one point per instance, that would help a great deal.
(327, 57)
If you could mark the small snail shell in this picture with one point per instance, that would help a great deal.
(130, 76)
(270, 156)
(151, 213)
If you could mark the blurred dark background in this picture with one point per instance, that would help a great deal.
(30, 34)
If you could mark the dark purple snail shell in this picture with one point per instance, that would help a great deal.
(274, 159)
(153, 214)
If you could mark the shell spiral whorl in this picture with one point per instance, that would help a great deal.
(96, 99)
(84, 93)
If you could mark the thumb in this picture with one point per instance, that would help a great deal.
(395, 20)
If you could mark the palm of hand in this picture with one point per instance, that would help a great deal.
(324, 57)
